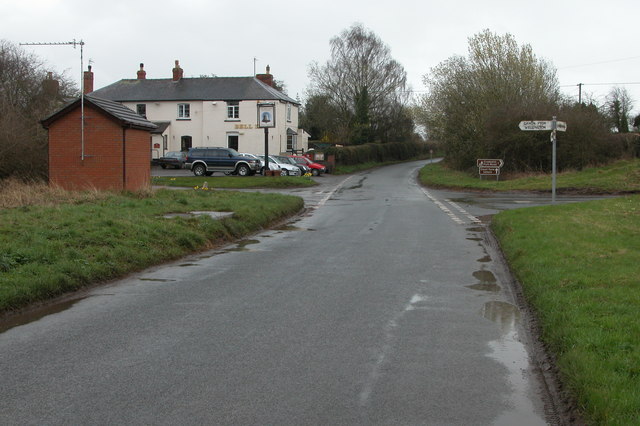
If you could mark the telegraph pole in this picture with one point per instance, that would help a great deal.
(580, 93)
(73, 43)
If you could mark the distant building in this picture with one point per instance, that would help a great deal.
(209, 111)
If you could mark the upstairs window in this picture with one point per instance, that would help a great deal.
(184, 111)
(141, 109)
(233, 110)
(288, 112)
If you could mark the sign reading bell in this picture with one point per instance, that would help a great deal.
(266, 115)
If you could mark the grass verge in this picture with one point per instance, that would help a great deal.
(49, 250)
(621, 176)
(233, 182)
(579, 265)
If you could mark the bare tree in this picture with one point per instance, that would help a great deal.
(361, 79)
(28, 93)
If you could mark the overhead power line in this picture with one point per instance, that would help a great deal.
(600, 62)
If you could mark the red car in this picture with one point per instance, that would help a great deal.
(316, 169)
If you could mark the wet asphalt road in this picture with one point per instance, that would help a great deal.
(383, 304)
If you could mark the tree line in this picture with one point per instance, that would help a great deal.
(475, 102)
(472, 108)
(361, 96)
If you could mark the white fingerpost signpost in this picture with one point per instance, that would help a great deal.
(555, 126)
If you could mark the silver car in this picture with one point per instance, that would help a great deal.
(287, 168)
(272, 164)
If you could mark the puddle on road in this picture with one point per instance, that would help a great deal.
(512, 354)
(474, 239)
(36, 314)
(488, 281)
(484, 259)
(504, 314)
(182, 265)
(476, 229)
(242, 245)
(157, 280)
(289, 228)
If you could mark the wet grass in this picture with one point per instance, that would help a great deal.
(621, 176)
(579, 265)
(234, 182)
(48, 250)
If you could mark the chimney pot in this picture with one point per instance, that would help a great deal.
(177, 72)
(266, 78)
(142, 74)
(88, 81)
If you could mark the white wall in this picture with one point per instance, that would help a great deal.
(209, 126)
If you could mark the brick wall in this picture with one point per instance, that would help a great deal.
(104, 164)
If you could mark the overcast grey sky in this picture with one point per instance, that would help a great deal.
(588, 41)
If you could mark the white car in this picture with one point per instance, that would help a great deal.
(287, 169)
(272, 165)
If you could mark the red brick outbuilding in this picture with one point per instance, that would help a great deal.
(112, 155)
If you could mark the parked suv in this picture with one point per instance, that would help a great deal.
(204, 161)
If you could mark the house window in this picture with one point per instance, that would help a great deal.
(292, 141)
(288, 112)
(185, 143)
(141, 109)
(184, 111)
(233, 110)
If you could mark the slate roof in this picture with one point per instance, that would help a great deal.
(118, 111)
(191, 89)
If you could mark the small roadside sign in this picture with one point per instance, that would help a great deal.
(489, 166)
(536, 125)
(489, 162)
(561, 126)
(489, 171)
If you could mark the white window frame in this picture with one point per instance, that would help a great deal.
(289, 112)
(233, 110)
(292, 142)
(184, 111)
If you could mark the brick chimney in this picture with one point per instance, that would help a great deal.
(50, 86)
(177, 72)
(266, 78)
(88, 81)
(142, 74)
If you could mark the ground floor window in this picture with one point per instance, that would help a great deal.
(185, 143)
(292, 142)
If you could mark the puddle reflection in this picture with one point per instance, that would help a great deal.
(509, 351)
(35, 315)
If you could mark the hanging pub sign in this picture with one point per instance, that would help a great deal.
(266, 114)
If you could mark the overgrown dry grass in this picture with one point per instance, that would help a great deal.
(18, 193)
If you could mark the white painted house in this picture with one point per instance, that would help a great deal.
(210, 111)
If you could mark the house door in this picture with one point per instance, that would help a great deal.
(233, 140)
(185, 143)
